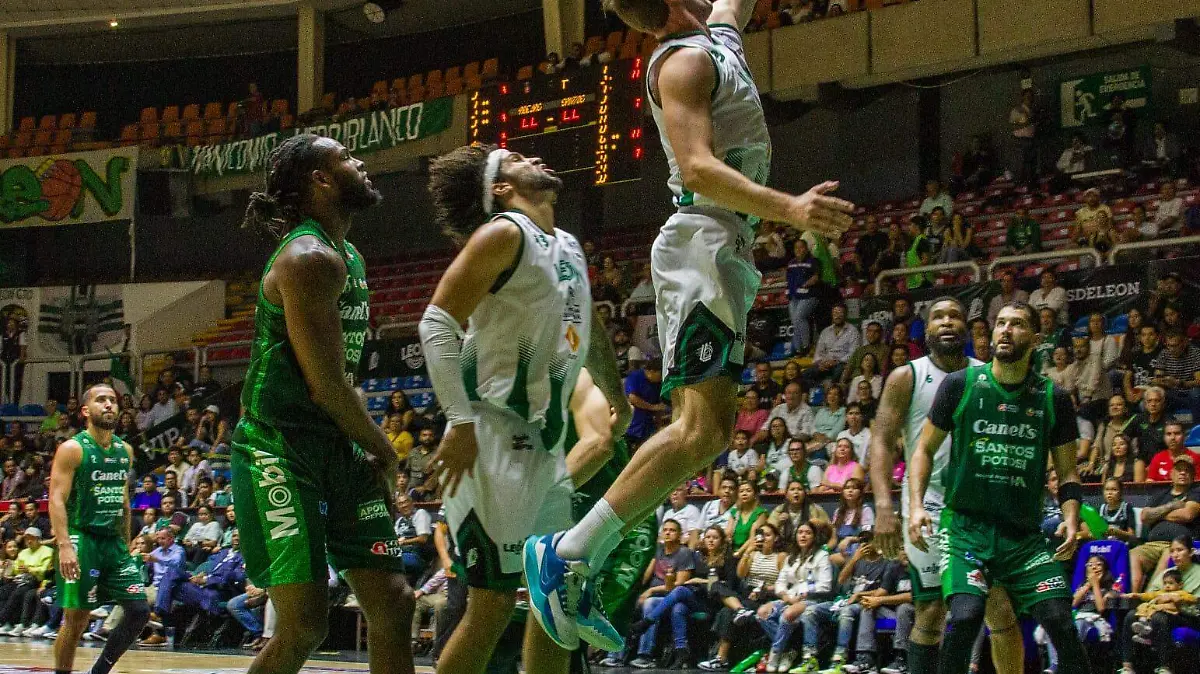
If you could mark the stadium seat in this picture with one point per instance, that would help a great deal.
(287, 121)
(490, 70)
(149, 135)
(434, 89)
(453, 87)
(42, 138)
(48, 123)
(173, 131)
(23, 139)
(148, 116)
(212, 111)
(27, 124)
(279, 107)
(62, 138)
(379, 91)
(67, 121)
(129, 134)
(594, 45)
(231, 111)
(524, 73)
(216, 130)
(195, 132)
(191, 111)
(14, 152)
(170, 114)
(773, 21)
(613, 43)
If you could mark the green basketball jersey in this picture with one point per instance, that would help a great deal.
(275, 391)
(999, 449)
(97, 501)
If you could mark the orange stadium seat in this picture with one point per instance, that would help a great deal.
(491, 69)
(48, 123)
(774, 21)
(471, 71)
(173, 131)
(129, 134)
(148, 116)
(67, 121)
(27, 124)
(212, 111)
(452, 73)
(629, 50)
(14, 152)
(150, 134)
(287, 121)
(594, 45)
(525, 73)
(279, 107)
(4, 142)
(42, 137)
(195, 130)
(87, 120)
(453, 87)
(434, 88)
(215, 130)
(191, 111)
(231, 110)
(170, 114)
(613, 43)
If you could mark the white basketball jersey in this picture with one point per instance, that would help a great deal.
(740, 137)
(927, 378)
(528, 338)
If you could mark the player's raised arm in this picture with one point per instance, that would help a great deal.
(67, 458)
(593, 425)
(885, 436)
(490, 250)
(735, 13)
(309, 277)
(602, 370)
(685, 84)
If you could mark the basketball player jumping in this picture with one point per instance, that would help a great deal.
(715, 137)
(89, 512)
(312, 473)
(904, 406)
(521, 286)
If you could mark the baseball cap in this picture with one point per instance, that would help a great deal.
(213, 408)
(33, 531)
(1184, 458)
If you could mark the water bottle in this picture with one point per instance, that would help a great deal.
(749, 663)
(169, 630)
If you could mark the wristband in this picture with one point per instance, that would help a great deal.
(1070, 491)
(441, 338)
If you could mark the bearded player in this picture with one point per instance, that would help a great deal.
(1004, 422)
(905, 404)
(312, 473)
(712, 128)
(89, 513)
(520, 284)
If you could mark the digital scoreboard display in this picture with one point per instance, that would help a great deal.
(587, 121)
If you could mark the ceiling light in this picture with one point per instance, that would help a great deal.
(113, 24)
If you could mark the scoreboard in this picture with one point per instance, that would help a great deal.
(586, 122)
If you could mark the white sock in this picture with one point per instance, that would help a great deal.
(594, 538)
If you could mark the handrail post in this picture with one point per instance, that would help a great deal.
(1157, 243)
(1044, 255)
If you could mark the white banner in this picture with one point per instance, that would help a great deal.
(66, 189)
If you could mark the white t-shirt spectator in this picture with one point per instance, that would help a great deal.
(747, 460)
(711, 515)
(162, 411)
(799, 421)
(1070, 161)
(861, 442)
(1169, 216)
(1055, 298)
(421, 523)
(688, 517)
(876, 388)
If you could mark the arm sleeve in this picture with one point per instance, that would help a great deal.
(946, 400)
(1065, 429)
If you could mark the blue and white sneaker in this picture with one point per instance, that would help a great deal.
(555, 589)
(594, 627)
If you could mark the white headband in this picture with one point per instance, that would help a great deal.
(491, 171)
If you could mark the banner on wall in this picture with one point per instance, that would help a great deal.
(74, 320)
(68, 189)
(364, 134)
(399, 357)
(154, 442)
(1085, 101)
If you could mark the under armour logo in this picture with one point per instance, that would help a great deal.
(706, 352)
(928, 379)
(472, 558)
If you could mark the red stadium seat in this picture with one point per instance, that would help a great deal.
(212, 111)
(48, 123)
(191, 111)
(27, 124)
(67, 121)
(170, 114)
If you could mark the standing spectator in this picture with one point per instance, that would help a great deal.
(1024, 234)
(765, 385)
(834, 348)
(1022, 120)
(644, 389)
(936, 196)
(254, 111)
(1074, 159)
(871, 244)
(413, 528)
(919, 254)
(1167, 515)
(1177, 371)
(795, 411)
(1163, 149)
(874, 345)
(897, 244)
(1102, 347)
(686, 514)
(50, 423)
(937, 232)
(1009, 294)
(803, 275)
(1141, 364)
(1050, 294)
(420, 466)
(14, 350)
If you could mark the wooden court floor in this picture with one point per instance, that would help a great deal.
(35, 657)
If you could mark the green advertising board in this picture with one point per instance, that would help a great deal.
(1085, 101)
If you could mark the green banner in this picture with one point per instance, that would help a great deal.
(1086, 101)
(364, 134)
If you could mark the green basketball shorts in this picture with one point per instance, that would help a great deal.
(107, 573)
(977, 555)
(705, 282)
(304, 498)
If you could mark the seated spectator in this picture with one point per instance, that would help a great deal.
(149, 519)
(217, 580)
(1162, 623)
(1122, 464)
(1091, 219)
(1161, 464)
(1177, 371)
(796, 466)
(959, 243)
(171, 488)
(1094, 596)
(420, 469)
(164, 408)
(719, 510)
(772, 452)
(198, 467)
(1053, 524)
(805, 580)
(1116, 512)
(398, 403)
(672, 565)
(203, 538)
(843, 467)
(857, 433)
(866, 403)
(170, 517)
(644, 290)
(793, 373)
(900, 339)
(14, 480)
(863, 575)
(745, 518)
(741, 459)
(629, 357)
(1024, 234)
(899, 355)
(1173, 320)
(1064, 370)
(204, 493)
(432, 599)
(795, 510)
(1074, 159)
(34, 564)
(1149, 426)
(176, 465)
(870, 373)
(850, 520)
(1102, 347)
(893, 253)
(765, 386)
(222, 492)
(247, 609)
(936, 196)
(1009, 293)
(1053, 336)
(413, 527)
(31, 518)
(1168, 217)
(937, 231)
(686, 515)
(400, 439)
(1167, 515)
(795, 412)
(751, 416)
(1050, 295)
(828, 421)
(873, 345)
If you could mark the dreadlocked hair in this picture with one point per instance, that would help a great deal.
(277, 209)
(456, 186)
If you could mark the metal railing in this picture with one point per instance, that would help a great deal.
(1157, 243)
(1045, 255)
(924, 269)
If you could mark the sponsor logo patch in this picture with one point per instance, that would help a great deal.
(386, 548)
(1055, 583)
(976, 579)
(94, 573)
(135, 588)
(372, 510)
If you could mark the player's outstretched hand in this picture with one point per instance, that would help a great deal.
(455, 456)
(815, 210)
(919, 522)
(887, 533)
(68, 563)
(1070, 541)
